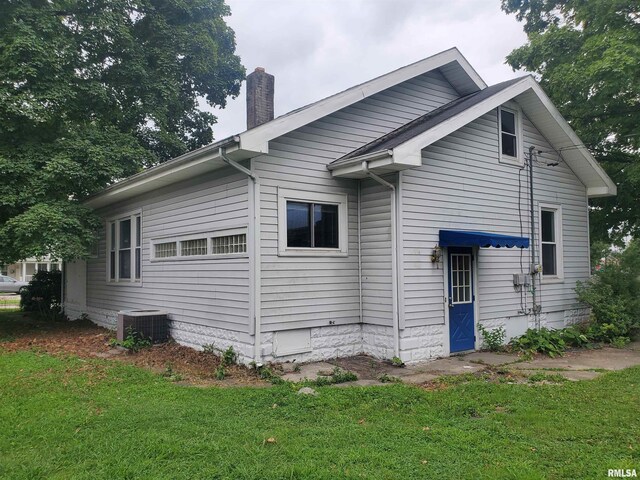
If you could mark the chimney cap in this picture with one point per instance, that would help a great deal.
(259, 69)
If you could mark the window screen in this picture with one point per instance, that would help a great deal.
(312, 225)
(508, 133)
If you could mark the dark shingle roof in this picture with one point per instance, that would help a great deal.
(427, 121)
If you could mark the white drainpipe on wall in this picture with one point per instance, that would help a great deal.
(255, 256)
(394, 256)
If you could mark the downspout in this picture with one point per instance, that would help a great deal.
(535, 308)
(394, 255)
(63, 300)
(255, 258)
(360, 252)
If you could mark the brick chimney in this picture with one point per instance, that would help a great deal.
(260, 90)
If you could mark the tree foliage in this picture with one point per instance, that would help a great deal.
(587, 55)
(92, 91)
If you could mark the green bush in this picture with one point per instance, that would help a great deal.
(549, 342)
(613, 294)
(43, 295)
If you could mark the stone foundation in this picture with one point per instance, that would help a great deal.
(326, 343)
(416, 343)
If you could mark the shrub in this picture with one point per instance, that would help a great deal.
(613, 294)
(549, 342)
(493, 339)
(43, 295)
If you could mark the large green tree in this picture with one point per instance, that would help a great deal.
(92, 91)
(587, 56)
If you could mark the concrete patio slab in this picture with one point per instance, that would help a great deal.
(309, 371)
(574, 365)
(492, 358)
(605, 358)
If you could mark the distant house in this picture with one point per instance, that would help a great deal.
(372, 221)
(24, 270)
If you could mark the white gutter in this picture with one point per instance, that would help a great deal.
(394, 255)
(254, 254)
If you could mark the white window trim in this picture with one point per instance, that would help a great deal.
(193, 236)
(285, 195)
(131, 215)
(557, 220)
(517, 112)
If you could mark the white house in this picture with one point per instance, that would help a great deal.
(366, 222)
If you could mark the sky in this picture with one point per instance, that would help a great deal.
(316, 48)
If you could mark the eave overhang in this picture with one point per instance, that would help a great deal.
(534, 103)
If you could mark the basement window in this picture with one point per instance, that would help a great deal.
(312, 224)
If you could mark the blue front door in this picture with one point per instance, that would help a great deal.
(461, 299)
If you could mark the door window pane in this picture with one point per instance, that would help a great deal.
(460, 278)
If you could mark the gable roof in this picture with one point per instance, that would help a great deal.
(250, 143)
(452, 64)
(425, 122)
(401, 148)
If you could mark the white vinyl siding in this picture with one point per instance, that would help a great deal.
(315, 290)
(213, 291)
(462, 185)
(375, 218)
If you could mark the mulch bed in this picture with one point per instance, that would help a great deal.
(87, 340)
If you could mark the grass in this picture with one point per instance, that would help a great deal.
(10, 302)
(69, 418)
(63, 417)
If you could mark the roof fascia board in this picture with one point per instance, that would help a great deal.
(257, 139)
(562, 123)
(130, 186)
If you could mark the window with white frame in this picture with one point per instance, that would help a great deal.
(227, 244)
(223, 243)
(124, 241)
(510, 135)
(551, 241)
(312, 223)
(196, 246)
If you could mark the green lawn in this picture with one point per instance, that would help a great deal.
(71, 418)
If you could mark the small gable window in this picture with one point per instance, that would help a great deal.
(510, 137)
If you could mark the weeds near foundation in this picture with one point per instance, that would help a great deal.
(134, 341)
(493, 339)
(385, 378)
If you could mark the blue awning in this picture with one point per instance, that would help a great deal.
(463, 238)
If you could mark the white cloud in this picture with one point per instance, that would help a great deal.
(317, 48)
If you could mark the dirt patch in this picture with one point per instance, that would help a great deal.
(84, 339)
